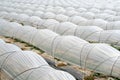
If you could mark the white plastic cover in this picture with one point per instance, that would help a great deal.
(94, 22)
(89, 33)
(16, 64)
(100, 58)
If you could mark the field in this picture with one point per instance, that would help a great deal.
(59, 40)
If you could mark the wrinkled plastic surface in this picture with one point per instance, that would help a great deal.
(96, 57)
(16, 64)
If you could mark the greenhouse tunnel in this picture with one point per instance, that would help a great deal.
(16, 64)
(90, 33)
(96, 57)
(83, 35)
(48, 13)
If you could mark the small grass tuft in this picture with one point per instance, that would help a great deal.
(91, 77)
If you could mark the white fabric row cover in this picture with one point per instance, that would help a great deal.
(16, 64)
(48, 13)
(97, 57)
(106, 15)
(100, 4)
(56, 9)
(89, 33)
(74, 19)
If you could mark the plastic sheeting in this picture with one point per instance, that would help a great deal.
(93, 13)
(16, 64)
(89, 33)
(73, 3)
(77, 20)
(63, 17)
(97, 57)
